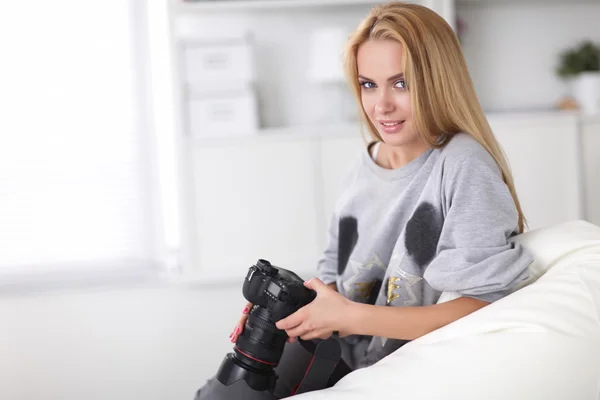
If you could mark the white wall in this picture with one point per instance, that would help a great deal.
(119, 342)
(512, 48)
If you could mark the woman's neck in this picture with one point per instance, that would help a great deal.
(394, 157)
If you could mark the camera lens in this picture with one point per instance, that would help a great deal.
(261, 344)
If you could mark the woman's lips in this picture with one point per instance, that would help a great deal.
(391, 127)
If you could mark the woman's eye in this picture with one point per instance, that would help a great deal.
(401, 84)
(367, 85)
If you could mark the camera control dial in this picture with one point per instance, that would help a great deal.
(266, 266)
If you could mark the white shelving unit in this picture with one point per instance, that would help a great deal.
(248, 5)
(283, 134)
(443, 7)
(270, 194)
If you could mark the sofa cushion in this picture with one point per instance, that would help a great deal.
(543, 341)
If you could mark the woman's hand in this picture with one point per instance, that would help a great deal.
(239, 328)
(319, 319)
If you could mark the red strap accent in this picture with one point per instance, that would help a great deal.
(305, 373)
(255, 359)
(295, 389)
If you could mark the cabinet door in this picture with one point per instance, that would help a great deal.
(252, 200)
(544, 156)
(591, 159)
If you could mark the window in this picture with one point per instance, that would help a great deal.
(77, 187)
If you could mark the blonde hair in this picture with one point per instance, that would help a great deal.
(442, 94)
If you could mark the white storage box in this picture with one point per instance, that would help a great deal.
(217, 62)
(221, 115)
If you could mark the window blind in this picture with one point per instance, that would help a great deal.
(75, 186)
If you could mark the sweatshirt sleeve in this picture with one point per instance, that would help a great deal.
(327, 264)
(474, 256)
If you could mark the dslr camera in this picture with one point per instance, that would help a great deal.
(275, 293)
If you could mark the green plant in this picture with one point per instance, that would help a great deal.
(584, 58)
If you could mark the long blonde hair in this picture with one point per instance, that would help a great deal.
(442, 94)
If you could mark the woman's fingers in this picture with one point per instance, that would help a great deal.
(292, 320)
(317, 334)
(244, 317)
(239, 328)
(299, 330)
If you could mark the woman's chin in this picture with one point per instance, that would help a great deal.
(395, 139)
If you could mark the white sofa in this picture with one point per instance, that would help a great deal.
(541, 342)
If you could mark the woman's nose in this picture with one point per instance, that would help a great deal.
(385, 104)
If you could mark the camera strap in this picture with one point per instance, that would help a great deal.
(325, 358)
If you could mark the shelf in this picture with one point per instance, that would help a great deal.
(248, 5)
(291, 133)
(352, 129)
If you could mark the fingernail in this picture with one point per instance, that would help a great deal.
(246, 309)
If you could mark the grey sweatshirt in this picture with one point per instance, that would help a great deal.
(401, 237)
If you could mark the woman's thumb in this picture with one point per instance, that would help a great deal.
(315, 284)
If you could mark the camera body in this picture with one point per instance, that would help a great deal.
(279, 290)
(275, 293)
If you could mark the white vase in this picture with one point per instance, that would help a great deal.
(586, 90)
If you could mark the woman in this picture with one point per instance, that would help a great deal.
(428, 208)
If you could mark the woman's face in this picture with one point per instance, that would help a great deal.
(384, 93)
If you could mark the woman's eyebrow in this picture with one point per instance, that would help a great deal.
(391, 78)
(396, 77)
